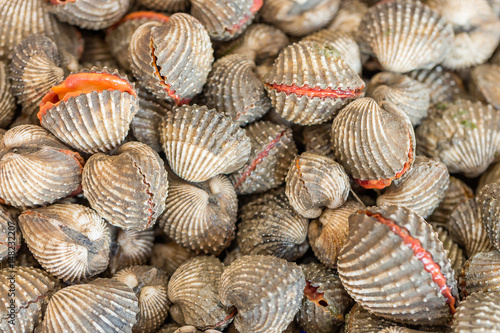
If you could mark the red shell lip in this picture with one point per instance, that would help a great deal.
(152, 16)
(223, 322)
(319, 92)
(256, 6)
(314, 296)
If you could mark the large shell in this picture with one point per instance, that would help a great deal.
(464, 135)
(456, 193)
(269, 225)
(130, 247)
(349, 16)
(266, 291)
(172, 60)
(329, 233)
(492, 175)
(7, 101)
(393, 263)
(489, 204)
(455, 253)
(171, 6)
(32, 288)
(421, 189)
(193, 291)
(316, 139)
(443, 85)
(90, 111)
(478, 313)
(10, 231)
(315, 181)
(201, 143)
(234, 88)
(273, 149)
(36, 168)
(70, 241)
(169, 256)
(150, 286)
(128, 189)
(486, 80)
(481, 273)
(359, 320)
(310, 82)
(201, 216)
(375, 143)
(103, 305)
(405, 35)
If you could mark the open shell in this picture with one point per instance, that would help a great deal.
(486, 80)
(489, 204)
(444, 86)
(129, 248)
(478, 313)
(169, 256)
(481, 273)
(456, 193)
(7, 100)
(9, 230)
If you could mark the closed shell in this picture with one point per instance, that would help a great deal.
(316, 139)
(492, 175)
(486, 79)
(7, 101)
(478, 313)
(8, 230)
(455, 253)
(266, 291)
(444, 86)
(171, 6)
(349, 16)
(456, 193)
(481, 273)
(359, 320)
(96, 52)
(129, 248)
(169, 256)
(489, 204)
(463, 14)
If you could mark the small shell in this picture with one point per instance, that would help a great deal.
(201, 143)
(421, 189)
(455, 253)
(315, 181)
(349, 16)
(129, 248)
(492, 175)
(193, 291)
(310, 82)
(269, 225)
(478, 313)
(273, 149)
(103, 305)
(128, 189)
(481, 273)
(464, 135)
(405, 35)
(171, 6)
(316, 139)
(329, 233)
(7, 101)
(97, 52)
(70, 241)
(8, 230)
(36, 168)
(375, 143)
(201, 216)
(266, 291)
(150, 286)
(486, 80)
(489, 203)
(169, 256)
(32, 288)
(358, 320)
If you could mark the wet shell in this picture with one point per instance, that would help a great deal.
(273, 149)
(489, 204)
(169, 256)
(486, 80)
(299, 18)
(7, 101)
(172, 60)
(150, 286)
(225, 19)
(35, 168)
(464, 135)
(127, 189)
(421, 189)
(393, 262)
(329, 233)
(201, 143)
(325, 301)
(375, 143)
(103, 305)
(315, 181)
(349, 16)
(32, 288)
(478, 313)
(171, 6)
(492, 175)
(467, 229)
(455, 253)
(193, 291)
(70, 241)
(266, 291)
(481, 273)
(129, 248)
(88, 14)
(201, 216)
(269, 225)
(316, 139)
(10, 231)
(97, 52)
(90, 121)
(444, 86)
(234, 88)
(426, 35)
(310, 82)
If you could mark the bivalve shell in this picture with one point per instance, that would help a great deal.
(481, 273)
(7, 101)
(129, 248)
(349, 16)
(478, 313)
(463, 14)
(169, 256)
(492, 175)
(9, 230)
(455, 253)
(444, 86)
(96, 52)
(316, 139)
(486, 80)
(489, 204)
(359, 320)
(171, 6)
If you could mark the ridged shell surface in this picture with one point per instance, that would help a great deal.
(481, 273)
(443, 85)
(128, 189)
(171, 6)
(455, 253)
(266, 291)
(478, 313)
(7, 101)
(463, 14)
(489, 204)
(486, 79)
(382, 267)
(9, 230)
(96, 52)
(169, 256)
(201, 143)
(130, 247)
(70, 241)
(456, 193)
(316, 139)
(492, 175)
(359, 320)
(349, 16)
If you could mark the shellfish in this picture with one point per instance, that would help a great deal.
(492, 175)
(478, 312)
(129, 248)
(96, 52)
(359, 320)
(481, 273)
(456, 193)
(489, 203)
(316, 139)
(455, 253)
(169, 256)
(486, 78)
(171, 6)
(10, 234)
(7, 101)
(349, 16)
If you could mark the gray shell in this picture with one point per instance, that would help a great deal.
(489, 204)
(7, 100)
(481, 273)
(130, 247)
(455, 253)
(444, 86)
(169, 256)
(478, 313)
(316, 139)
(486, 79)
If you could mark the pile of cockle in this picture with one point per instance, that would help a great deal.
(253, 166)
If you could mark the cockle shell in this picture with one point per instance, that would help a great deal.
(7, 101)
(273, 149)
(492, 175)
(10, 234)
(201, 216)
(455, 253)
(399, 329)
(70, 241)
(127, 189)
(478, 313)
(194, 292)
(456, 193)
(174, 328)
(234, 88)
(96, 52)
(90, 111)
(31, 288)
(35, 168)
(489, 204)
(463, 14)
(315, 181)
(269, 225)
(359, 320)
(171, 6)
(169, 256)
(444, 86)
(349, 16)
(103, 305)
(310, 82)
(329, 232)
(392, 262)
(464, 135)
(481, 273)
(316, 139)
(486, 80)
(405, 35)
(266, 291)
(420, 189)
(201, 143)
(130, 247)
(375, 143)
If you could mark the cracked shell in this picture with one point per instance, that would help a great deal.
(7, 100)
(169, 256)
(478, 313)
(129, 248)
(481, 273)
(489, 204)
(127, 189)
(486, 79)
(9, 227)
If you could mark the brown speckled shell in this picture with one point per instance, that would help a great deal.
(455, 253)
(489, 204)
(486, 80)
(257, 284)
(9, 229)
(169, 256)
(7, 100)
(130, 247)
(358, 320)
(478, 313)
(443, 85)
(481, 273)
